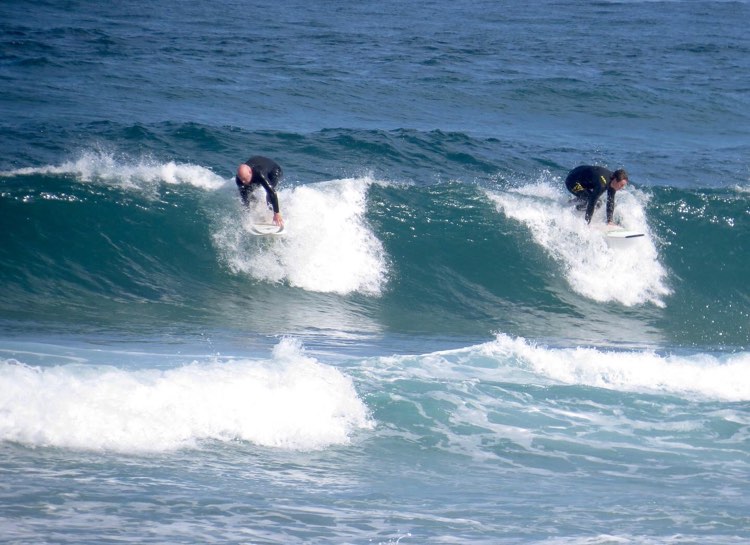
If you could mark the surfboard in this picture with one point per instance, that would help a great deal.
(266, 229)
(623, 233)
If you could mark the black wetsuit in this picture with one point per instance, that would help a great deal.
(265, 173)
(588, 183)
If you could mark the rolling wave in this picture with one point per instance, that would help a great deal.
(166, 241)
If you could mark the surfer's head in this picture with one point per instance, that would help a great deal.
(619, 179)
(244, 174)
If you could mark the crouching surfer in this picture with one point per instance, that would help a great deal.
(264, 172)
(588, 183)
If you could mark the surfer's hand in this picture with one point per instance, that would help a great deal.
(278, 220)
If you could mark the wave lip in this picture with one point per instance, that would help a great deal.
(102, 166)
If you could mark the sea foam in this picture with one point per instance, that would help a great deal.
(700, 376)
(328, 246)
(629, 274)
(289, 401)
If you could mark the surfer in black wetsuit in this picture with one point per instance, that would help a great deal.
(588, 183)
(264, 172)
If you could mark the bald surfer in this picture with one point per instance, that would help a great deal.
(588, 182)
(264, 172)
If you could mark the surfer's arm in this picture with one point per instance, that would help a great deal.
(273, 198)
(591, 206)
(594, 193)
(610, 206)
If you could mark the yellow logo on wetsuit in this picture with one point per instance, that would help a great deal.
(577, 188)
(604, 181)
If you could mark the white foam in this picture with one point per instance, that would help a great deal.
(103, 166)
(630, 273)
(514, 359)
(327, 247)
(724, 378)
(290, 401)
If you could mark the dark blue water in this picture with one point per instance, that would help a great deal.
(439, 349)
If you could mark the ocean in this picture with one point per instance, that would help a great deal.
(439, 350)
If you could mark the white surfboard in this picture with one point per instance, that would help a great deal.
(619, 237)
(266, 229)
(623, 233)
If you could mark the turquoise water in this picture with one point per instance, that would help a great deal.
(439, 350)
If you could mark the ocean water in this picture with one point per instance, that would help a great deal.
(439, 350)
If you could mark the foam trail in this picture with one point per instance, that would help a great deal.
(100, 166)
(291, 401)
(629, 274)
(328, 246)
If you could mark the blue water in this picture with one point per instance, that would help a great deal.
(439, 350)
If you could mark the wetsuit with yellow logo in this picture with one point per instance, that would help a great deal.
(588, 183)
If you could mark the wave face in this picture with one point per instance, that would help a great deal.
(108, 238)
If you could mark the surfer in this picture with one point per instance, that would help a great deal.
(261, 171)
(588, 183)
